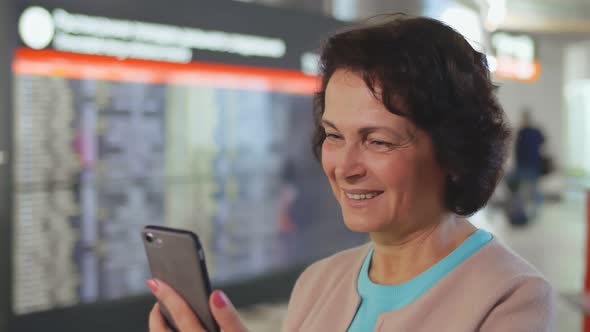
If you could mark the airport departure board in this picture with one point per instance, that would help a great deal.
(104, 146)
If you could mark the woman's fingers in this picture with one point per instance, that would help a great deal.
(182, 315)
(157, 322)
(225, 314)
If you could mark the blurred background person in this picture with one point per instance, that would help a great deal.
(524, 179)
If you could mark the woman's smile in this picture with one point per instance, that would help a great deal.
(359, 198)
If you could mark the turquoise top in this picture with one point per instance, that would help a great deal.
(376, 299)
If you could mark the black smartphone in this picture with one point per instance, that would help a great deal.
(176, 257)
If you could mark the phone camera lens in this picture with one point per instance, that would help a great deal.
(149, 237)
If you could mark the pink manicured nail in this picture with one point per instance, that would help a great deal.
(152, 284)
(219, 299)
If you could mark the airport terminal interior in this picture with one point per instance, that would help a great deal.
(197, 114)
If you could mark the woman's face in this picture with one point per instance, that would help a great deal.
(381, 168)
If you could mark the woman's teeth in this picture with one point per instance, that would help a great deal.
(362, 196)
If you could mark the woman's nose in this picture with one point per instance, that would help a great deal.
(351, 166)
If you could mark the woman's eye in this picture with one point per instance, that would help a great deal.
(380, 146)
(380, 143)
(332, 136)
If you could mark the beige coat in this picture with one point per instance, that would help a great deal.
(493, 290)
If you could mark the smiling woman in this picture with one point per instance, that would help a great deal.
(380, 166)
(413, 141)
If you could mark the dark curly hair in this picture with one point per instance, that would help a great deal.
(445, 88)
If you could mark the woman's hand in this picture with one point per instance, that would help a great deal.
(223, 311)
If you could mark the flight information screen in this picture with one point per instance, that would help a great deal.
(103, 147)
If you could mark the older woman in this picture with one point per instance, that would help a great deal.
(412, 140)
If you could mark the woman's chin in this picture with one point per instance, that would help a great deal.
(360, 225)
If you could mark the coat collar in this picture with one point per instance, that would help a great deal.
(343, 300)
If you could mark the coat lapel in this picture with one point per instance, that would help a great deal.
(338, 308)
